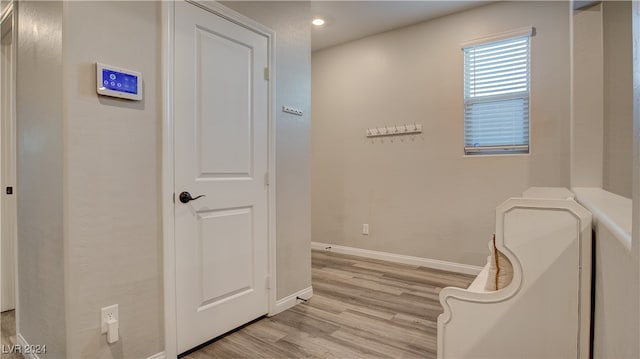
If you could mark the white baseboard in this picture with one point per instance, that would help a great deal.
(290, 301)
(23, 344)
(399, 258)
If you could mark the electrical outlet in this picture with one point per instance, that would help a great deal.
(365, 229)
(105, 314)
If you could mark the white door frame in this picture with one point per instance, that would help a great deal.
(10, 14)
(168, 230)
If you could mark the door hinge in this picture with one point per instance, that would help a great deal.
(266, 73)
(266, 179)
(268, 282)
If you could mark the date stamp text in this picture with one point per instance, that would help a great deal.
(23, 349)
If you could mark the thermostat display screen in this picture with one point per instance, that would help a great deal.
(118, 81)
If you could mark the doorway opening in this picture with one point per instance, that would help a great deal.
(8, 204)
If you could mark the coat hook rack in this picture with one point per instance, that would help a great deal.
(394, 130)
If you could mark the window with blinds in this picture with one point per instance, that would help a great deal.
(496, 96)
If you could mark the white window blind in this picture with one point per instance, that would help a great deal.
(496, 96)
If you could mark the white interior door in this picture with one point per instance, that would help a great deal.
(221, 151)
(7, 168)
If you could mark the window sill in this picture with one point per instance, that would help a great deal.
(485, 155)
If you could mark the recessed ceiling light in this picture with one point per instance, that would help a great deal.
(318, 22)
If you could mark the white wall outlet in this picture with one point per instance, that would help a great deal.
(365, 229)
(291, 110)
(106, 313)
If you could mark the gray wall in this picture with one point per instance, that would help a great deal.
(290, 20)
(40, 188)
(587, 141)
(419, 194)
(114, 242)
(618, 96)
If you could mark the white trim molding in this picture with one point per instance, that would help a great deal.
(167, 12)
(158, 356)
(22, 342)
(399, 258)
(291, 300)
(529, 30)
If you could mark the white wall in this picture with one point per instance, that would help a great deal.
(40, 188)
(88, 180)
(602, 97)
(618, 96)
(419, 194)
(616, 328)
(604, 76)
(112, 161)
(587, 141)
(616, 306)
(290, 20)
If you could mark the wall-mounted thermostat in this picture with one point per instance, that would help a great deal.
(116, 82)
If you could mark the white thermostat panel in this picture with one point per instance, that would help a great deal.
(116, 82)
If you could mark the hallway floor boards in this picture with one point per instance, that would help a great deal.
(9, 335)
(361, 308)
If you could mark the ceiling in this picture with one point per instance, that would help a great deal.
(352, 20)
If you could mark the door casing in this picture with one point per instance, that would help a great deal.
(168, 115)
(8, 18)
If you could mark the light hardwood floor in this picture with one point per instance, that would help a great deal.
(361, 308)
(8, 330)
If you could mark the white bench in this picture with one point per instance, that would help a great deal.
(545, 311)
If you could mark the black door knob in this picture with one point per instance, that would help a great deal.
(185, 197)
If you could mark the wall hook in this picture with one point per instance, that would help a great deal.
(393, 130)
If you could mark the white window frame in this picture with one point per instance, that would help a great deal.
(509, 149)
